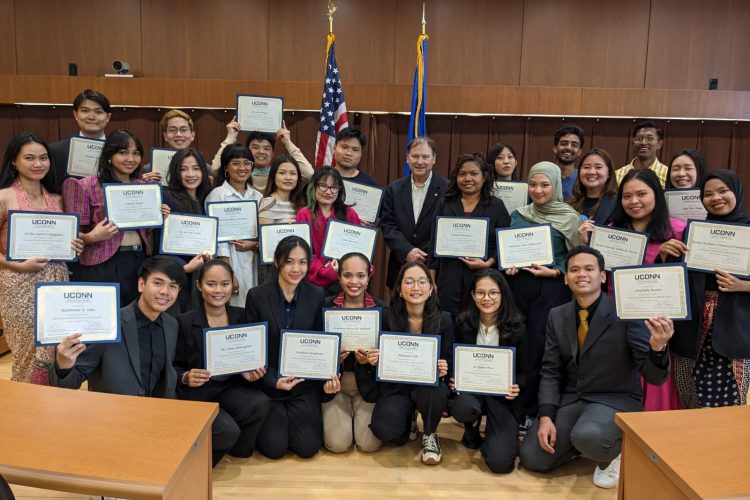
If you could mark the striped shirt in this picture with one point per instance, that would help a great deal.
(85, 197)
(657, 167)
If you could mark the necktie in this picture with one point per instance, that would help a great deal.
(583, 327)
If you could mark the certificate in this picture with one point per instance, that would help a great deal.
(524, 246)
(238, 220)
(185, 234)
(260, 113)
(236, 348)
(462, 237)
(83, 156)
(343, 238)
(45, 235)
(309, 355)
(685, 204)
(133, 206)
(62, 309)
(160, 160)
(515, 194)
(619, 247)
(714, 245)
(645, 291)
(483, 369)
(408, 358)
(365, 199)
(272, 234)
(359, 328)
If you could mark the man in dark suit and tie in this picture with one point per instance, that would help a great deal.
(141, 364)
(590, 372)
(409, 207)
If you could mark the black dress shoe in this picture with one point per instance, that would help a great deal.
(472, 439)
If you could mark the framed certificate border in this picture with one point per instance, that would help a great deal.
(267, 97)
(497, 184)
(458, 219)
(688, 236)
(436, 354)
(146, 224)
(684, 283)
(77, 284)
(70, 169)
(500, 232)
(164, 174)
(350, 184)
(231, 371)
(669, 193)
(638, 234)
(365, 311)
(289, 333)
(332, 222)
(474, 347)
(265, 256)
(53, 215)
(216, 204)
(165, 231)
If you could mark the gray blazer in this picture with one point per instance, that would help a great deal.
(116, 368)
(606, 370)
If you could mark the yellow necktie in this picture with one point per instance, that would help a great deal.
(583, 327)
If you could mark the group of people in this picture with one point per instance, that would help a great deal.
(575, 365)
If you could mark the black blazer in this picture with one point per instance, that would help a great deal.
(263, 303)
(453, 277)
(467, 335)
(190, 347)
(606, 369)
(400, 232)
(59, 155)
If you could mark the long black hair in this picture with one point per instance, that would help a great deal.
(117, 141)
(339, 205)
(398, 316)
(184, 202)
(453, 192)
(509, 319)
(297, 195)
(232, 152)
(9, 172)
(493, 153)
(658, 227)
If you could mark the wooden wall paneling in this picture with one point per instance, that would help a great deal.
(613, 135)
(715, 142)
(471, 135)
(691, 41)
(38, 119)
(7, 37)
(225, 39)
(9, 124)
(90, 34)
(476, 42)
(739, 158)
(510, 129)
(586, 43)
(209, 129)
(678, 135)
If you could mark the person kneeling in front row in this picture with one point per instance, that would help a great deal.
(590, 372)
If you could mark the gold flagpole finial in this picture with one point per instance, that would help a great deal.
(424, 21)
(331, 10)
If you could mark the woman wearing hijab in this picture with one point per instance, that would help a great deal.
(538, 289)
(712, 351)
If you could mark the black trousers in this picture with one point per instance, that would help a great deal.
(121, 268)
(392, 416)
(535, 297)
(294, 423)
(500, 445)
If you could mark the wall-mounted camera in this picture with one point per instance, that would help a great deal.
(121, 67)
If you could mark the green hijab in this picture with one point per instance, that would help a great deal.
(556, 212)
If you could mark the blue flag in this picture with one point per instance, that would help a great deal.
(417, 120)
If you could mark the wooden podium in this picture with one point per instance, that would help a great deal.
(105, 444)
(685, 454)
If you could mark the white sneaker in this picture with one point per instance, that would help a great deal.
(431, 454)
(608, 477)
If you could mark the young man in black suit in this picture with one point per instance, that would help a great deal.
(590, 372)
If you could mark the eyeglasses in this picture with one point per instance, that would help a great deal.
(240, 163)
(324, 187)
(422, 283)
(481, 294)
(646, 139)
(182, 130)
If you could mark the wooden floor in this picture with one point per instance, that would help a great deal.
(394, 472)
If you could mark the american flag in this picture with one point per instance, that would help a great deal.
(332, 109)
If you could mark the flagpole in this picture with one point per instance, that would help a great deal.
(331, 10)
(424, 22)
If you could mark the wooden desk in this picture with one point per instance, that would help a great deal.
(685, 454)
(105, 444)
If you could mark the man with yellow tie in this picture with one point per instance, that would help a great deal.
(589, 372)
